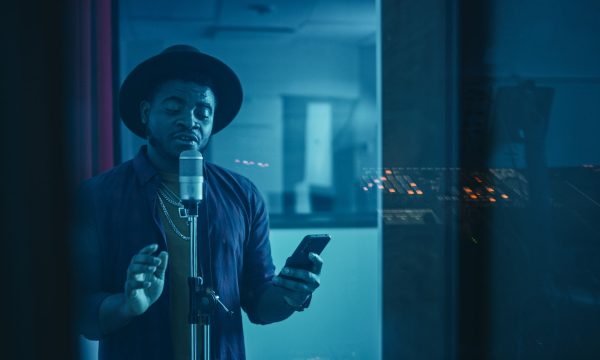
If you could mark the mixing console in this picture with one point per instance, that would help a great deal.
(417, 186)
(417, 195)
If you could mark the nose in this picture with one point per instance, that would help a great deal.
(188, 120)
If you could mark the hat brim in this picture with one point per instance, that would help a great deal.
(224, 83)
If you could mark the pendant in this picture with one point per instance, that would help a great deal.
(182, 212)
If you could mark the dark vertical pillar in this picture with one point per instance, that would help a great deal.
(418, 54)
(104, 83)
(34, 263)
(475, 245)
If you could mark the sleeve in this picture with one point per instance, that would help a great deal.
(258, 270)
(86, 253)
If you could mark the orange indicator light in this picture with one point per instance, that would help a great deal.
(492, 200)
(419, 192)
(392, 190)
(491, 190)
(478, 179)
(410, 192)
(383, 178)
(413, 184)
(467, 190)
(388, 172)
(473, 196)
(504, 196)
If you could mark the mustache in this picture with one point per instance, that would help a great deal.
(156, 143)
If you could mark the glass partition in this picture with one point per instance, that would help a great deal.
(305, 136)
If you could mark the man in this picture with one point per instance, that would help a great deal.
(132, 246)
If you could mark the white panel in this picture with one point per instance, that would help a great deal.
(318, 165)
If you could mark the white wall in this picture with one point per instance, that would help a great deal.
(344, 317)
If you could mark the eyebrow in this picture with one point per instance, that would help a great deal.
(173, 98)
(181, 100)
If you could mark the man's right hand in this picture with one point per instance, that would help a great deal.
(145, 280)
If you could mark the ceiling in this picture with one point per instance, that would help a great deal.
(343, 20)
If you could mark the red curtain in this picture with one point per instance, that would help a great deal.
(93, 112)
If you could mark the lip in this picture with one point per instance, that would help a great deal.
(187, 137)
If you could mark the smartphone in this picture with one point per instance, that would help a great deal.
(311, 243)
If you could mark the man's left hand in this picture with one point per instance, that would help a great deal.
(299, 284)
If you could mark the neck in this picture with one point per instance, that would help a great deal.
(162, 162)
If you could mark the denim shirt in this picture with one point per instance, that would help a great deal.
(117, 215)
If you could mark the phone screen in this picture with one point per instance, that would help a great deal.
(311, 243)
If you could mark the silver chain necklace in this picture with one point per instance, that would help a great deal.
(173, 201)
(169, 195)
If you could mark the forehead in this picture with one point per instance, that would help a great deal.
(186, 90)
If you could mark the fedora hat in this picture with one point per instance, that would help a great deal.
(176, 62)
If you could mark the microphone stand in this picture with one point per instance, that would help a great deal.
(202, 299)
(195, 284)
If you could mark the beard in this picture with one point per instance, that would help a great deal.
(159, 146)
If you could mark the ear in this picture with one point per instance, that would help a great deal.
(144, 111)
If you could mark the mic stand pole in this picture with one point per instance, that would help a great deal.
(202, 300)
(195, 285)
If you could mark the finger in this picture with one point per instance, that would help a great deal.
(292, 285)
(134, 269)
(137, 268)
(162, 267)
(317, 262)
(149, 249)
(145, 259)
(308, 277)
(295, 301)
(132, 285)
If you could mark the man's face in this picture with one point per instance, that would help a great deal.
(178, 117)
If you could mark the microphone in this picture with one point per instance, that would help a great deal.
(191, 178)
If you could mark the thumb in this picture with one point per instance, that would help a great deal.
(162, 267)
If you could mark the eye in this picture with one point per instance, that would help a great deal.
(202, 113)
(172, 107)
(172, 110)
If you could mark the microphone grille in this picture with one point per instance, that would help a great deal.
(190, 163)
